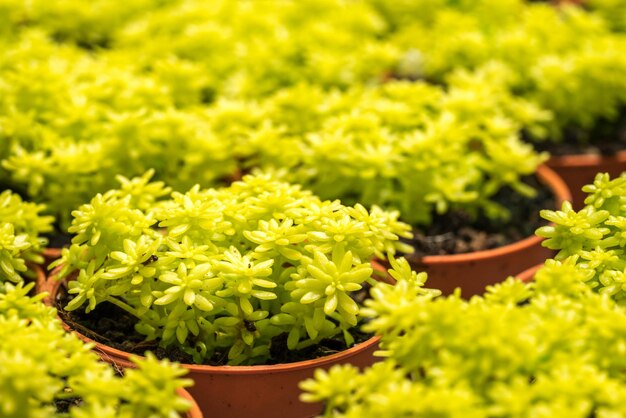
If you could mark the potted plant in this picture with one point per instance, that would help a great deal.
(68, 122)
(228, 281)
(21, 241)
(591, 238)
(450, 161)
(81, 88)
(548, 348)
(48, 372)
(167, 83)
(564, 59)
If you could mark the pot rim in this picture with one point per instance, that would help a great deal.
(194, 411)
(114, 355)
(52, 252)
(528, 275)
(561, 193)
(585, 160)
(40, 276)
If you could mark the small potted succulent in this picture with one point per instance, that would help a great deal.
(593, 237)
(21, 242)
(47, 372)
(548, 348)
(68, 122)
(564, 59)
(227, 281)
(450, 161)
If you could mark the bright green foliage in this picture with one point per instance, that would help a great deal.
(250, 48)
(200, 94)
(40, 363)
(227, 270)
(562, 58)
(594, 237)
(406, 146)
(233, 48)
(72, 121)
(613, 11)
(553, 348)
(21, 225)
(89, 24)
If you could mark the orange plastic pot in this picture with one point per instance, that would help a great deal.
(40, 278)
(43, 285)
(194, 411)
(50, 254)
(528, 275)
(472, 272)
(245, 391)
(579, 170)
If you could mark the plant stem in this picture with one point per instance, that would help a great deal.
(123, 305)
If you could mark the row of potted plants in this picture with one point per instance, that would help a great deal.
(227, 280)
(547, 345)
(72, 110)
(410, 146)
(135, 237)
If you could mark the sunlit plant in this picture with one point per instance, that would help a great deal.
(72, 121)
(564, 58)
(47, 372)
(227, 270)
(409, 146)
(186, 91)
(549, 348)
(593, 238)
(21, 241)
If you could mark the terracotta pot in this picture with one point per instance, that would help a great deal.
(194, 412)
(579, 170)
(50, 254)
(472, 272)
(528, 275)
(245, 391)
(40, 279)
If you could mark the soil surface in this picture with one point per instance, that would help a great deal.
(63, 405)
(58, 239)
(112, 326)
(456, 233)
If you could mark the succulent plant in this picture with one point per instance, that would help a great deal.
(21, 227)
(593, 238)
(227, 270)
(549, 348)
(167, 93)
(407, 146)
(47, 372)
(564, 59)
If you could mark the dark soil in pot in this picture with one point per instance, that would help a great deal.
(456, 233)
(58, 239)
(114, 327)
(63, 405)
